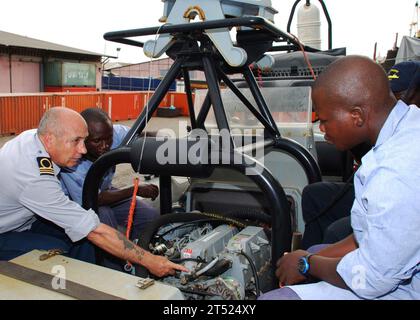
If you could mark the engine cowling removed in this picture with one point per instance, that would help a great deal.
(226, 261)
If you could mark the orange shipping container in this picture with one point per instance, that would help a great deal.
(117, 105)
(69, 89)
(19, 113)
(22, 112)
(180, 101)
(136, 108)
(78, 101)
(177, 99)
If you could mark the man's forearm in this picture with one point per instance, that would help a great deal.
(109, 197)
(118, 245)
(324, 263)
(325, 269)
(339, 249)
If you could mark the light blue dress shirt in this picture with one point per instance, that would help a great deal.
(25, 192)
(385, 218)
(72, 179)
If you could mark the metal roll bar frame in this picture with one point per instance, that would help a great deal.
(188, 55)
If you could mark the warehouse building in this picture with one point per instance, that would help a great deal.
(30, 65)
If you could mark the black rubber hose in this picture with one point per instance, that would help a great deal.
(255, 274)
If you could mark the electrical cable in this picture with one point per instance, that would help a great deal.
(148, 95)
(254, 272)
(136, 180)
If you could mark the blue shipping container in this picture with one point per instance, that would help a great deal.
(132, 84)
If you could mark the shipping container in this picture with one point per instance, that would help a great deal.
(179, 100)
(69, 89)
(116, 105)
(77, 102)
(22, 112)
(132, 84)
(68, 74)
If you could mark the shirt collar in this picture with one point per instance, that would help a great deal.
(392, 122)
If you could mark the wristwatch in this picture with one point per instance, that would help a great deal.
(304, 265)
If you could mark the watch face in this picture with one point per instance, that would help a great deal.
(303, 266)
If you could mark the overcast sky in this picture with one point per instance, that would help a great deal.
(357, 24)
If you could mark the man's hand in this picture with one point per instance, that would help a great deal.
(287, 268)
(161, 266)
(148, 191)
(117, 244)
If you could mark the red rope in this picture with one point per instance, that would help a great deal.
(311, 69)
(132, 207)
(259, 72)
(305, 56)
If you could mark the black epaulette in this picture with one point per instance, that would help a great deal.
(45, 166)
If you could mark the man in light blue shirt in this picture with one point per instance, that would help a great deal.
(381, 259)
(113, 203)
(35, 213)
(326, 205)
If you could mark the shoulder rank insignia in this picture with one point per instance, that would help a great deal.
(45, 166)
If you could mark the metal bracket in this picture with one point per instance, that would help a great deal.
(145, 283)
(50, 253)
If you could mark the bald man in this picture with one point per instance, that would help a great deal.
(35, 213)
(326, 205)
(380, 260)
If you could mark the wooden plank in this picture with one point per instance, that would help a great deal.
(45, 281)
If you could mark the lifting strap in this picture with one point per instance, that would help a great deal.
(45, 281)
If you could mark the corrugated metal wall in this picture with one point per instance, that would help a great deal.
(22, 112)
(4, 74)
(19, 74)
(19, 113)
(25, 76)
(69, 89)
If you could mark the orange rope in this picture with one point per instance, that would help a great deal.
(259, 72)
(132, 207)
(311, 69)
(305, 56)
(131, 212)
